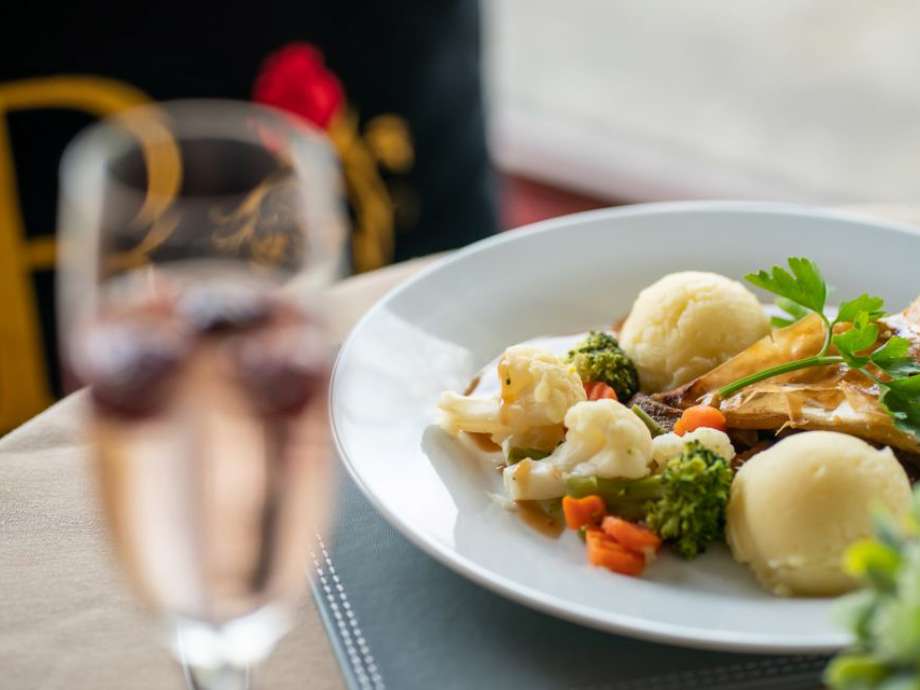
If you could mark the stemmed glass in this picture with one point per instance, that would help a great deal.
(195, 241)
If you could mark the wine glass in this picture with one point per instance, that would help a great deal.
(195, 241)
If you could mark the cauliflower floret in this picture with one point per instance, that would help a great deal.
(471, 413)
(537, 389)
(533, 480)
(604, 439)
(669, 445)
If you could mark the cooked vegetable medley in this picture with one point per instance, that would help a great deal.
(819, 417)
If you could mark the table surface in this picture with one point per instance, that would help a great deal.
(67, 620)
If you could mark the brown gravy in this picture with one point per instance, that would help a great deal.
(536, 518)
(484, 442)
(473, 385)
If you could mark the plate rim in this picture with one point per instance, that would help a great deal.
(537, 599)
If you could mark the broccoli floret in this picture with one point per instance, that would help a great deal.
(690, 510)
(596, 340)
(684, 504)
(599, 358)
(885, 616)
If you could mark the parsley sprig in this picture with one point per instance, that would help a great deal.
(802, 290)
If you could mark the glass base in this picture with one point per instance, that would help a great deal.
(235, 645)
(226, 678)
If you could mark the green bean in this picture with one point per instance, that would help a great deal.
(515, 455)
(654, 427)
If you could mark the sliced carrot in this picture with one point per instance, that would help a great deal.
(598, 390)
(581, 512)
(700, 416)
(604, 551)
(631, 536)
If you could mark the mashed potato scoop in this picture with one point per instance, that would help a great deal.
(687, 323)
(796, 507)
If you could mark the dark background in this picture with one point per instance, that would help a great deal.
(414, 58)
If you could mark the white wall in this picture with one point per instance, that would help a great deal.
(814, 100)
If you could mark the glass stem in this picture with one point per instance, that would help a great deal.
(220, 678)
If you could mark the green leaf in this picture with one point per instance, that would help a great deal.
(804, 286)
(912, 522)
(903, 680)
(894, 358)
(872, 561)
(901, 399)
(909, 576)
(872, 306)
(854, 671)
(896, 631)
(887, 530)
(894, 349)
(909, 385)
(796, 312)
(855, 612)
(859, 338)
(808, 275)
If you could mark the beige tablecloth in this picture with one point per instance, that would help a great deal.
(66, 621)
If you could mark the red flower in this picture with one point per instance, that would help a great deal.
(295, 79)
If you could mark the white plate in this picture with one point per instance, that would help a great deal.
(565, 276)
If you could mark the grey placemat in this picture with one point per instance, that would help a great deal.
(399, 620)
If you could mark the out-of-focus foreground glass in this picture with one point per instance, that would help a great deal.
(196, 238)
